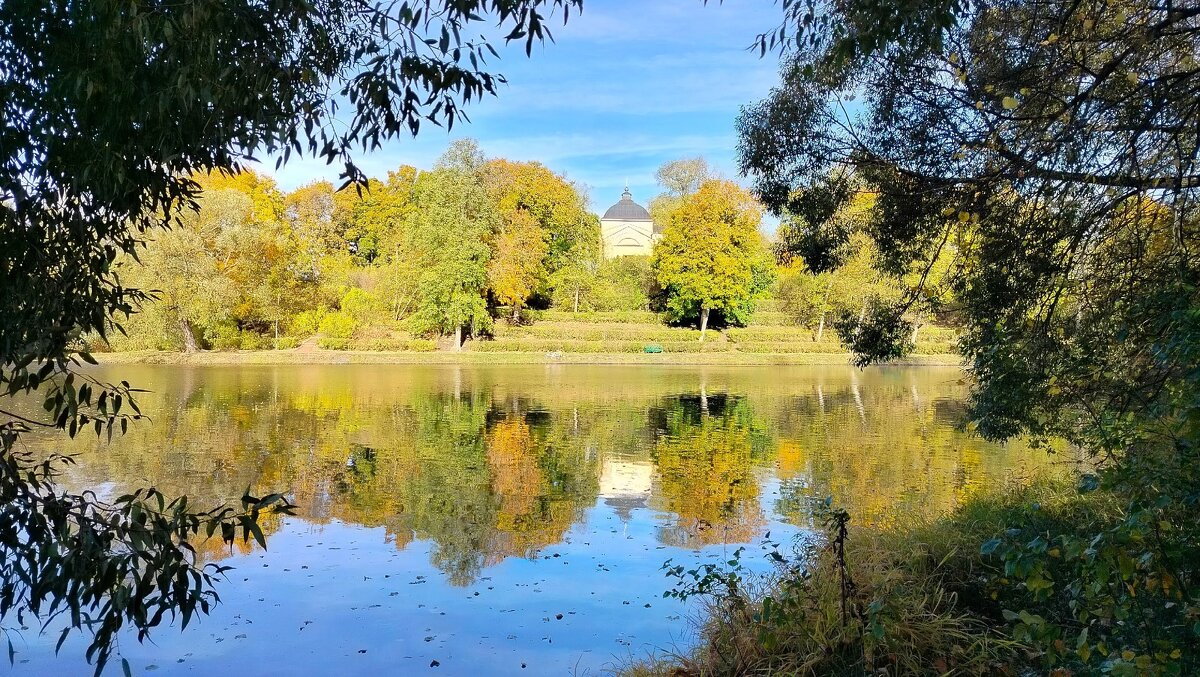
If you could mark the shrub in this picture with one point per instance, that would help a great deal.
(601, 331)
(339, 325)
(249, 340)
(852, 602)
(786, 347)
(286, 342)
(223, 336)
(359, 304)
(770, 318)
(307, 323)
(422, 345)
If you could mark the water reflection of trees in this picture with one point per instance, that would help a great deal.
(485, 470)
(706, 452)
(886, 453)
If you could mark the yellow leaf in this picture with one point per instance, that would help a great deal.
(1009, 103)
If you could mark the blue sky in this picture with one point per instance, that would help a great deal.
(625, 87)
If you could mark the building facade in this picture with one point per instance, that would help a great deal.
(627, 229)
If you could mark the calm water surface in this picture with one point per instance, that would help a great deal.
(452, 513)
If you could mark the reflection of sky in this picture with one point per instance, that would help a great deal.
(339, 599)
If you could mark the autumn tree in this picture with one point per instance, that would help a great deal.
(311, 212)
(712, 256)
(229, 266)
(517, 267)
(375, 217)
(546, 234)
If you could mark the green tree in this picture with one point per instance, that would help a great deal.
(188, 265)
(712, 255)
(1049, 150)
(110, 109)
(449, 231)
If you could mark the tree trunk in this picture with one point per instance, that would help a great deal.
(576, 310)
(457, 338)
(189, 338)
(703, 323)
(516, 318)
(824, 309)
(916, 328)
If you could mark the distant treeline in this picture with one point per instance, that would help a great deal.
(443, 254)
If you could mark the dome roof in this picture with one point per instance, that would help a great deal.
(626, 210)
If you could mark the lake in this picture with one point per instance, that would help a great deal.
(509, 519)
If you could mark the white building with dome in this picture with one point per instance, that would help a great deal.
(626, 229)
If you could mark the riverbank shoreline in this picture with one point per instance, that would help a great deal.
(286, 357)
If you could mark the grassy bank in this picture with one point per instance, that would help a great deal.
(585, 338)
(1016, 581)
(441, 357)
(913, 603)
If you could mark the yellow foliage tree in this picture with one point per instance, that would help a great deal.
(712, 255)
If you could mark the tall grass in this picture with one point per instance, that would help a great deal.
(908, 601)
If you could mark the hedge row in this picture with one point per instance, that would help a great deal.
(756, 333)
(601, 332)
(617, 316)
(536, 345)
(771, 318)
(378, 345)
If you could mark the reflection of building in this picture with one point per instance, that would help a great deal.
(625, 485)
(627, 229)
